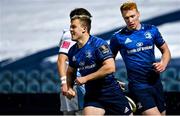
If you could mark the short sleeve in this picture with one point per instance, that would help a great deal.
(159, 41)
(114, 45)
(65, 45)
(70, 57)
(103, 52)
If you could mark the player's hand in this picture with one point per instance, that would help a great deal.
(64, 88)
(70, 93)
(80, 80)
(159, 67)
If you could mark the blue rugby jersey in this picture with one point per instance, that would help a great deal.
(89, 59)
(137, 50)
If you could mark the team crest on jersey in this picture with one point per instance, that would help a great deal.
(128, 40)
(65, 44)
(88, 54)
(104, 49)
(148, 35)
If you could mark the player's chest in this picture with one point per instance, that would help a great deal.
(85, 57)
(137, 40)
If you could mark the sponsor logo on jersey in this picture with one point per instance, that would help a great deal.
(104, 49)
(87, 67)
(148, 35)
(128, 40)
(65, 44)
(139, 49)
(139, 44)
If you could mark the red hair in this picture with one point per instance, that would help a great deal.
(128, 6)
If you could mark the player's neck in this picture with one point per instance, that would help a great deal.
(138, 26)
(83, 40)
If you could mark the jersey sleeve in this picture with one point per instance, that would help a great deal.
(65, 45)
(159, 41)
(70, 57)
(103, 52)
(114, 45)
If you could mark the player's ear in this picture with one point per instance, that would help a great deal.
(84, 29)
(138, 14)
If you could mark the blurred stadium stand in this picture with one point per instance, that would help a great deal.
(42, 87)
(49, 82)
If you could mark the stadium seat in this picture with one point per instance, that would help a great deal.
(174, 87)
(33, 87)
(47, 75)
(19, 82)
(178, 77)
(164, 87)
(163, 77)
(33, 82)
(170, 73)
(167, 86)
(57, 83)
(6, 78)
(20, 75)
(169, 77)
(6, 75)
(5, 86)
(34, 75)
(19, 86)
(50, 82)
(57, 78)
(49, 87)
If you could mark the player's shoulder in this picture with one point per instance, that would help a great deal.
(118, 34)
(121, 31)
(97, 40)
(72, 48)
(148, 26)
(67, 42)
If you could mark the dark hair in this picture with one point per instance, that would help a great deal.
(83, 15)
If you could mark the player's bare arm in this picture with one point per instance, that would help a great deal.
(70, 81)
(62, 66)
(166, 56)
